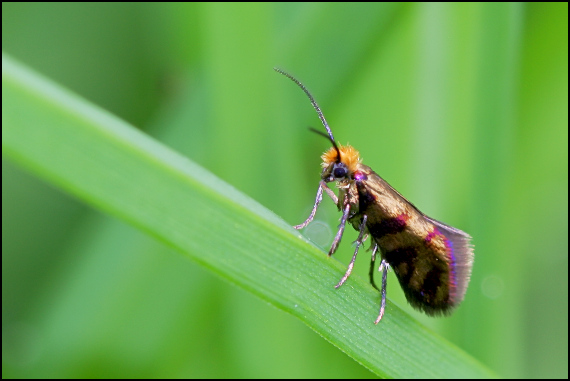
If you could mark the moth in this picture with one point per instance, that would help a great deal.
(431, 260)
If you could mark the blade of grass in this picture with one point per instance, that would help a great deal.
(112, 166)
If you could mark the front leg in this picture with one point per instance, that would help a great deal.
(318, 199)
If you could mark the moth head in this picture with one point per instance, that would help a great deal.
(339, 163)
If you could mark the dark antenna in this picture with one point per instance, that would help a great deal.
(316, 107)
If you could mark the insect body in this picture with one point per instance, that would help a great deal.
(432, 260)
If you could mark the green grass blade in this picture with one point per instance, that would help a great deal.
(108, 164)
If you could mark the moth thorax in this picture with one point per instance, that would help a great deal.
(348, 155)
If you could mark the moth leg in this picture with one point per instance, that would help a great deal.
(372, 266)
(358, 243)
(384, 268)
(340, 231)
(329, 192)
(318, 199)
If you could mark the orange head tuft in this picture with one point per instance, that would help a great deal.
(348, 155)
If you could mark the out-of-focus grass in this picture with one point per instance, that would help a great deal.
(462, 107)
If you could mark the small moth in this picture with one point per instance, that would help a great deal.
(432, 260)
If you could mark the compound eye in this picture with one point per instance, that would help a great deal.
(340, 172)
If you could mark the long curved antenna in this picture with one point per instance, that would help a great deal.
(315, 106)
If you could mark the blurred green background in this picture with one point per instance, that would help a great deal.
(461, 107)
